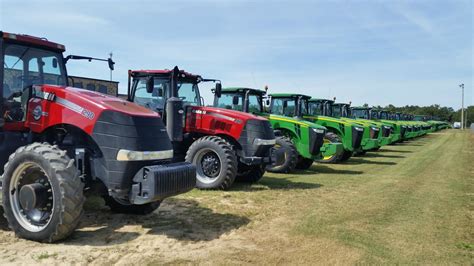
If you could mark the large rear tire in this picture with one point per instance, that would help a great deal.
(215, 161)
(290, 154)
(42, 193)
(123, 206)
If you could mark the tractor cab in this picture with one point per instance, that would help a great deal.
(361, 113)
(291, 105)
(341, 110)
(246, 100)
(320, 107)
(27, 61)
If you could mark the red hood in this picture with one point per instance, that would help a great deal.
(231, 113)
(96, 101)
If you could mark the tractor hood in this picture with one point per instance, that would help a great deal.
(230, 115)
(295, 120)
(96, 101)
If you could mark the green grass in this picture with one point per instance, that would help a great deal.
(406, 204)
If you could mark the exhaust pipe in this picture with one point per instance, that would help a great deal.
(174, 110)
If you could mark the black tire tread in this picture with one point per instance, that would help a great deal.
(290, 166)
(230, 159)
(71, 186)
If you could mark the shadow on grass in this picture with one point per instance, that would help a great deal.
(363, 161)
(283, 183)
(319, 168)
(181, 219)
(377, 154)
(396, 151)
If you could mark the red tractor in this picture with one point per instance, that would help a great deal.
(57, 142)
(222, 144)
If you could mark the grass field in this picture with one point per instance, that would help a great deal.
(406, 204)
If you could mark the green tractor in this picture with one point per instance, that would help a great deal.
(376, 130)
(434, 123)
(370, 139)
(300, 141)
(361, 113)
(398, 130)
(339, 131)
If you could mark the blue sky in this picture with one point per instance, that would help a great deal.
(376, 52)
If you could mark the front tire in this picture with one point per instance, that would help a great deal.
(123, 206)
(291, 156)
(215, 161)
(42, 193)
(304, 163)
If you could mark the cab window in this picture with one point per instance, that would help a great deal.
(285, 107)
(255, 104)
(226, 101)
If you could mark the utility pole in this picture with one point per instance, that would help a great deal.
(462, 106)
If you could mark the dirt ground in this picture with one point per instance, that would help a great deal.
(408, 204)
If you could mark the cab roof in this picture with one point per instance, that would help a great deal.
(242, 89)
(361, 107)
(28, 39)
(147, 72)
(321, 100)
(289, 95)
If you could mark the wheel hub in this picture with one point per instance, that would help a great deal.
(211, 165)
(33, 196)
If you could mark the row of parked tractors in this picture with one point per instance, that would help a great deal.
(59, 144)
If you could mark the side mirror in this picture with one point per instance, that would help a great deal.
(235, 100)
(55, 63)
(150, 84)
(267, 102)
(285, 104)
(111, 63)
(218, 90)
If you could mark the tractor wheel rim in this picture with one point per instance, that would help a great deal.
(208, 165)
(31, 197)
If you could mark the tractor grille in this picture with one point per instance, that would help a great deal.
(356, 137)
(374, 132)
(316, 140)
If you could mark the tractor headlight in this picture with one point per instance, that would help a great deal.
(359, 128)
(318, 130)
(375, 129)
(126, 155)
(264, 142)
(387, 127)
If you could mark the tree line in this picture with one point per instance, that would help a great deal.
(442, 112)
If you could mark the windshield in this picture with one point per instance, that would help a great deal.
(187, 91)
(226, 101)
(283, 106)
(360, 113)
(25, 66)
(336, 110)
(315, 108)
